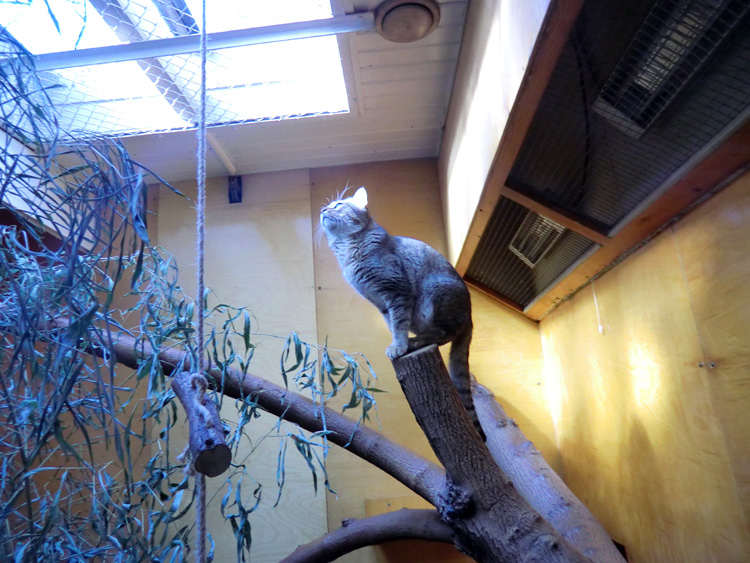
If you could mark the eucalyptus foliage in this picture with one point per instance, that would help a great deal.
(87, 467)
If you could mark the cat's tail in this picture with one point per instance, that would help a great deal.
(458, 367)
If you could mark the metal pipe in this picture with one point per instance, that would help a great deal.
(185, 44)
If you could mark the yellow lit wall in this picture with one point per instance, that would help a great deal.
(648, 371)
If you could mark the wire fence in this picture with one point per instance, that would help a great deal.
(640, 89)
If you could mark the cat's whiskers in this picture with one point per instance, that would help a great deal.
(319, 234)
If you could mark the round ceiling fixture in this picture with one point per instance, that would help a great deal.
(404, 21)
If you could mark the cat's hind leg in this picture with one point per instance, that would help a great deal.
(423, 339)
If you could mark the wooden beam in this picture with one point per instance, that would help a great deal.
(725, 162)
(558, 22)
(558, 215)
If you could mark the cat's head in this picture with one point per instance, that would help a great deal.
(346, 217)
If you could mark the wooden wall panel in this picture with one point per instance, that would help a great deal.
(641, 426)
(403, 198)
(506, 352)
(714, 246)
(506, 356)
(258, 254)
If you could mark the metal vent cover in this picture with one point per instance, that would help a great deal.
(522, 274)
(578, 161)
(534, 238)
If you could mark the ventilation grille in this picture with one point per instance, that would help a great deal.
(674, 42)
(578, 161)
(522, 253)
(536, 236)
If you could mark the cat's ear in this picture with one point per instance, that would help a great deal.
(360, 198)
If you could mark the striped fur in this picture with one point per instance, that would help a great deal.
(412, 285)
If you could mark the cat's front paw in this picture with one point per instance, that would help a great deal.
(396, 350)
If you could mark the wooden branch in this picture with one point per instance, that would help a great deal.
(491, 520)
(423, 477)
(208, 449)
(404, 524)
(535, 480)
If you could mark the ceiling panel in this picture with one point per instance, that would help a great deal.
(398, 95)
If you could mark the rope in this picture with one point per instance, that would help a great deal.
(200, 227)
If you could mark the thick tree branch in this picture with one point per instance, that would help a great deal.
(422, 476)
(491, 520)
(404, 524)
(532, 476)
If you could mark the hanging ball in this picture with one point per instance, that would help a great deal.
(404, 21)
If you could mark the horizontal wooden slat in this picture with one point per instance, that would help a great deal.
(409, 87)
(445, 52)
(240, 139)
(433, 69)
(321, 161)
(410, 111)
(372, 41)
(558, 215)
(452, 13)
(337, 142)
(184, 167)
(434, 97)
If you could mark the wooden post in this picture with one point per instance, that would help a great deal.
(492, 522)
(208, 449)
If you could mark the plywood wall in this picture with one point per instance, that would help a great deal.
(258, 255)
(648, 376)
(506, 353)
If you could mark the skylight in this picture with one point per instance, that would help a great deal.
(253, 83)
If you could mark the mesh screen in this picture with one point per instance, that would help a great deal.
(639, 89)
(244, 84)
(498, 266)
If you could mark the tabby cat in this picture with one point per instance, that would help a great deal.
(414, 287)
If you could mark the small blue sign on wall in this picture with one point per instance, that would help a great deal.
(235, 189)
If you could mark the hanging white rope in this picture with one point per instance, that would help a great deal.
(200, 227)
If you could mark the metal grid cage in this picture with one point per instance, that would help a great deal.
(522, 253)
(244, 84)
(640, 88)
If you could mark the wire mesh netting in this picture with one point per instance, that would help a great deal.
(244, 84)
(639, 90)
(521, 253)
